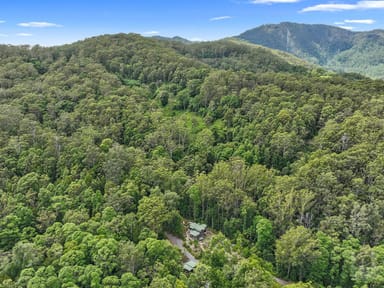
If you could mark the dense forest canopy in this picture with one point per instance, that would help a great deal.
(108, 143)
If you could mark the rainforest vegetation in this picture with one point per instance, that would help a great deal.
(108, 143)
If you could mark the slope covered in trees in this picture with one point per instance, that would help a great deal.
(332, 47)
(108, 143)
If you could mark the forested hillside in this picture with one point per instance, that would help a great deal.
(108, 143)
(332, 47)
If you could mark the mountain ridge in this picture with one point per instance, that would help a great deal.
(329, 46)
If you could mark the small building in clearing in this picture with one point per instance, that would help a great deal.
(189, 266)
(196, 230)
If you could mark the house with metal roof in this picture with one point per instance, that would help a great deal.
(189, 266)
(196, 230)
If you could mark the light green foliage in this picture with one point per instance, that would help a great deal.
(265, 238)
(91, 277)
(200, 276)
(250, 273)
(153, 213)
(128, 280)
(295, 252)
(111, 282)
(104, 255)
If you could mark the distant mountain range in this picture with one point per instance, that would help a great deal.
(176, 39)
(331, 47)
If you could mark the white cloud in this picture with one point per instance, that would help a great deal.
(332, 7)
(151, 33)
(329, 7)
(371, 4)
(3, 35)
(2, 21)
(361, 21)
(273, 1)
(39, 24)
(220, 18)
(24, 34)
(346, 27)
(339, 23)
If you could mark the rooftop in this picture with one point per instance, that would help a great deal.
(194, 233)
(197, 227)
(190, 265)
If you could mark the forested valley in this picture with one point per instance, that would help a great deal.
(111, 142)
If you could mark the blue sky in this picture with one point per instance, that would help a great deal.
(54, 22)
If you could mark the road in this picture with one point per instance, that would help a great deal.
(179, 244)
(281, 281)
